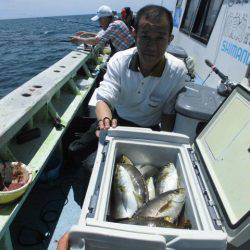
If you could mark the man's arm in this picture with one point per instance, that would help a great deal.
(90, 40)
(104, 116)
(108, 94)
(63, 243)
(85, 33)
(103, 110)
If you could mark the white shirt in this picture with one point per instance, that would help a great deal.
(140, 99)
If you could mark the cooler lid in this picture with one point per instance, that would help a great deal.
(224, 146)
(97, 237)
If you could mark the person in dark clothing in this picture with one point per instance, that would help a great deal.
(128, 18)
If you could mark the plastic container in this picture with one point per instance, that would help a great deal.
(218, 215)
(107, 51)
(10, 196)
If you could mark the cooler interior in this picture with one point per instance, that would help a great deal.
(159, 155)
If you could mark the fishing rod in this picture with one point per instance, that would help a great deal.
(89, 24)
(30, 40)
(226, 86)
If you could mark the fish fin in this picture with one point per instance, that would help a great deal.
(165, 207)
(125, 160)
(162, 176)
(122, 188)
(187, 224)
(168, 219)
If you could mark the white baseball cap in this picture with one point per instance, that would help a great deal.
(103, 11)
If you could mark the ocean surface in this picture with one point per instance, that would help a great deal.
(30, 45)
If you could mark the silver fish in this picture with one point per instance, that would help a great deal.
(167, 179)
(168, 205)
(124, 203)
(130, 191)
(155, 222)
(151, 188)
(147, 170)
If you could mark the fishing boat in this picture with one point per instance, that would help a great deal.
(40, 111)
(36, 117)
(218, 31)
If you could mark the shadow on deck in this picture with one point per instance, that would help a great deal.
(51, 209)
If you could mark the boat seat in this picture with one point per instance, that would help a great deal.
(177, 51)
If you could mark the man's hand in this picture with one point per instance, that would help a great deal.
(63, 243)
(79, 33)
(76, 39)
(104, 116)
(105, 124)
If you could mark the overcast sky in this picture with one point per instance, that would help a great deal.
(38, 8)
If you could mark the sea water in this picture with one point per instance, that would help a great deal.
(29, 46)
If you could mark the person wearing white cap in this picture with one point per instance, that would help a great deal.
(116, 32)
(103, 11)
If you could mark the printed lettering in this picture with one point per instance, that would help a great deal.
(245, 56)
(234, 50)
(240, 54)
(224, 46)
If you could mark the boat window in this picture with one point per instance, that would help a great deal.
(200, 17)
(188, 18)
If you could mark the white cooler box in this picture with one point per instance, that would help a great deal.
(215, 174)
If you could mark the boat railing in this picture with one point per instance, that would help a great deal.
(48, 102)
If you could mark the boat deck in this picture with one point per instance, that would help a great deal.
(51, 209)
(48, 102)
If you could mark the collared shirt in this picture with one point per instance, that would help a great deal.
(157, 70)
(140, 99)
(119, 35)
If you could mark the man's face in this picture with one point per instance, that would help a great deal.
(104, 22)
(152, 38)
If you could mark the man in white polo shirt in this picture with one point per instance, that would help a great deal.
(142, 83)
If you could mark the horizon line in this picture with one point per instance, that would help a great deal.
(14, 18)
